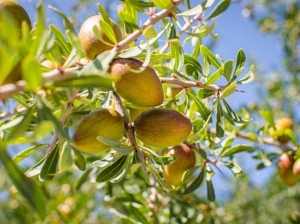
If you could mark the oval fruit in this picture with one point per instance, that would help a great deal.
(90, 44)
(103, 122)
(162, 127)
(285, 169)
(143, 88)
(296, 167)
(282, 125)
(16, 11)
(186, 159)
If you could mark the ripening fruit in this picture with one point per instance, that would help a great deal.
(296, 167)
(90, 44)
(173, 173)
(16, 11)
(172, 91)
(103, 122)
(143, 88)
(160, 127)
(282, 125)
(285, 169)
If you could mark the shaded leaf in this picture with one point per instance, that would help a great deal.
(197, 182)
(203, 110)
(82, 179)
(111, 171)
(79, 160)
(27, 187)
(50, 165)
(236, 149)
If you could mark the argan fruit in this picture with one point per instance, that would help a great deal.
(296, 167)
(160, 127)
(282, 125)
(172, 91)
(90, 44)
(16, 11)
(103, 122)
(186, 159)
(142, 88)
(285, 170)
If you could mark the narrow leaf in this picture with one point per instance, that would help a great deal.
(203, 110)
(236, 149)
(220, 8)
(49, 168)
(208, 55)
(27, 187)
(197, 182)
(27, 152)
(228, 91)
(79, 160)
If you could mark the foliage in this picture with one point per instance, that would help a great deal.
(66, 185)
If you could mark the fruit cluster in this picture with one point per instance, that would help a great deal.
(289, 169)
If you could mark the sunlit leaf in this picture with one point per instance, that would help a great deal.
(82, 179)
(210, 58)
(27, 152)
(197, 182)
(236, 149)
(79, 160)
(219, 9)
(228, 91)
(193, 11)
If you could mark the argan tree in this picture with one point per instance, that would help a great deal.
(127, 114)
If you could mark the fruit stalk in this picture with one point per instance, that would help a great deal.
(128, 129)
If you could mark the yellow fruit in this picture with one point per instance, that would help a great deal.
(135, 112)
(172, 91)
(103, 122)
(90, 44)
(173, 173)
(16, 11)
(282, 125)
(161, 127)
(143, 89)
(285, 169)
(296, 167)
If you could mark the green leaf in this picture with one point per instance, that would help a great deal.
(193, 11)
(22, 127)
(32, 73)
(50, 165)
(268, 116)
(220, 121)
(159, 179)
(79, 160)
(163, 4)
(249, 77)
(87, 81)
(111, 171)
(239, 67)
(67, 22)
(61, 40)
(235, 168)
(236, 149)
(192, 61)
(108, 30)
(205, 93)
(228, 67)
(203, 110)
(137, 214)
(231, 116)
(82, 179)
(228, 91)
(215, 76)
(196, 182)
(208, 55)
(177, 54)
(219, 9)
(65, 157)
(103, 13)
(27, 187)
(210, 191)
(27, 152)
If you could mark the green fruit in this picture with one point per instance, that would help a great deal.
(103, 122)
(282, 125)
(161, 127)
(90, 44)
(186, 159)
(285, 169)
(16, 11)
(142, 88)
